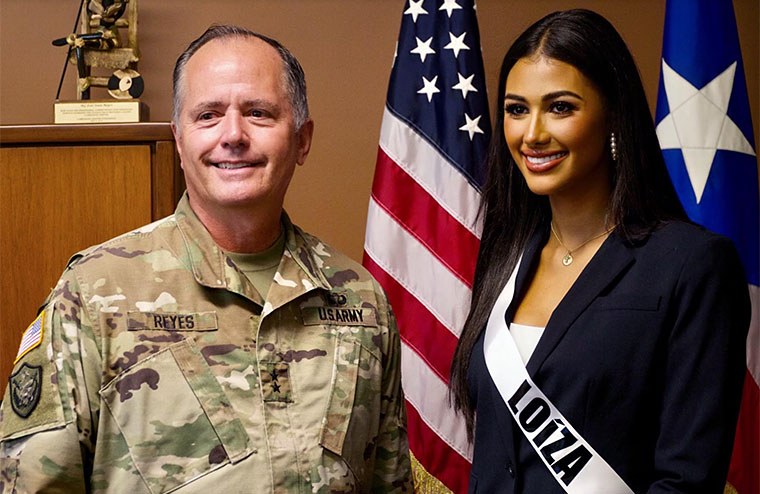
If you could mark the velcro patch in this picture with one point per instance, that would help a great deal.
(25, 387)
(32, 390)
(171, 321)
(32, 336)
(338, 316)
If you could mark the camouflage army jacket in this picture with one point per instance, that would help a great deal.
(160, 369)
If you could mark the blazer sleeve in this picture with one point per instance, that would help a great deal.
(704, 371)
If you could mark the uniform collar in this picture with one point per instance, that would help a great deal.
(299, 270)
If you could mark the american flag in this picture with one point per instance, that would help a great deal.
(705, 131)
(423, 231)
(32, 336)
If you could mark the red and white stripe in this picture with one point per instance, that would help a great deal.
(421, 244)
(744, 472)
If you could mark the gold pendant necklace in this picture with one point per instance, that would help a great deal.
(568, 258)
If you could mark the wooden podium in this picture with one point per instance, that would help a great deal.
(64, 188)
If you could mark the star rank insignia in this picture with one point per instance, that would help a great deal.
(275, 382)
(25, 387)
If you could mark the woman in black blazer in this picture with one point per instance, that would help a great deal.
(629, 322)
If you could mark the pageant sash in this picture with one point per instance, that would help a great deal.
(568, 457)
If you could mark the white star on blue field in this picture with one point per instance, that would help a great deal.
(705, 128)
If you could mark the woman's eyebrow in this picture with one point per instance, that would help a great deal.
(559, 94)
(549, 96)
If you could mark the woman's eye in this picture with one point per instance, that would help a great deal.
(515, 109)
(561, 107)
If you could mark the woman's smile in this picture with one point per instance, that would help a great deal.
(543, 161)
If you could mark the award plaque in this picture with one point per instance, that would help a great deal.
(98, 46)
(101, 111)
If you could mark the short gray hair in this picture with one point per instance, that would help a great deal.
(295, 81)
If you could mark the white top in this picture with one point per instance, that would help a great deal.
(526, 338)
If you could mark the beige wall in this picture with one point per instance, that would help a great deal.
(346, 48)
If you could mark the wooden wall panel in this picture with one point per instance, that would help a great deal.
(56, 201)
(166, 180)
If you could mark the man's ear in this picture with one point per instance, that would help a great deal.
(304, 135)
(175, 132)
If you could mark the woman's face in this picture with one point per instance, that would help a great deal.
(556, 128)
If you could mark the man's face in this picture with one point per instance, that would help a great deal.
(236, 135)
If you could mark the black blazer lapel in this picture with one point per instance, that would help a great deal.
(610, 260)
(528, 264)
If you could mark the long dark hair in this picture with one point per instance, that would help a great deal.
(642, 196)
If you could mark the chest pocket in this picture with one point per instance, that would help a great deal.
(351, 422)
(175, 418)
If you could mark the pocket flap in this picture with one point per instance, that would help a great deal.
(342, 394)
(213, 400)
(170, 405)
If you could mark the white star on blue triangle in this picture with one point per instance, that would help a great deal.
(698, 124)
(704, 124)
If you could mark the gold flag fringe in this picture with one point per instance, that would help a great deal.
(424, 481)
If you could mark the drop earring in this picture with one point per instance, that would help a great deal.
(613, 146)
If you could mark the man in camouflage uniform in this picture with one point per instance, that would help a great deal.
(162, 363)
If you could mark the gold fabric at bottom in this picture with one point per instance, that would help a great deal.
(424, 481)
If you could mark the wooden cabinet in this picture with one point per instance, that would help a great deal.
(64, 188)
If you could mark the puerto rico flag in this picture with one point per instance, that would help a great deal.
(705, 132)
(423, 231)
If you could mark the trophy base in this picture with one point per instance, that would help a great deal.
(101, 111)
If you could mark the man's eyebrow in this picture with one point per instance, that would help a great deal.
(207, 105)
(546, 97)
(261, 103)
(247, 104)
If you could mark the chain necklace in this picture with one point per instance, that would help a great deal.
(568, 259)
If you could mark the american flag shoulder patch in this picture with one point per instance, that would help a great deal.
(32, 336)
